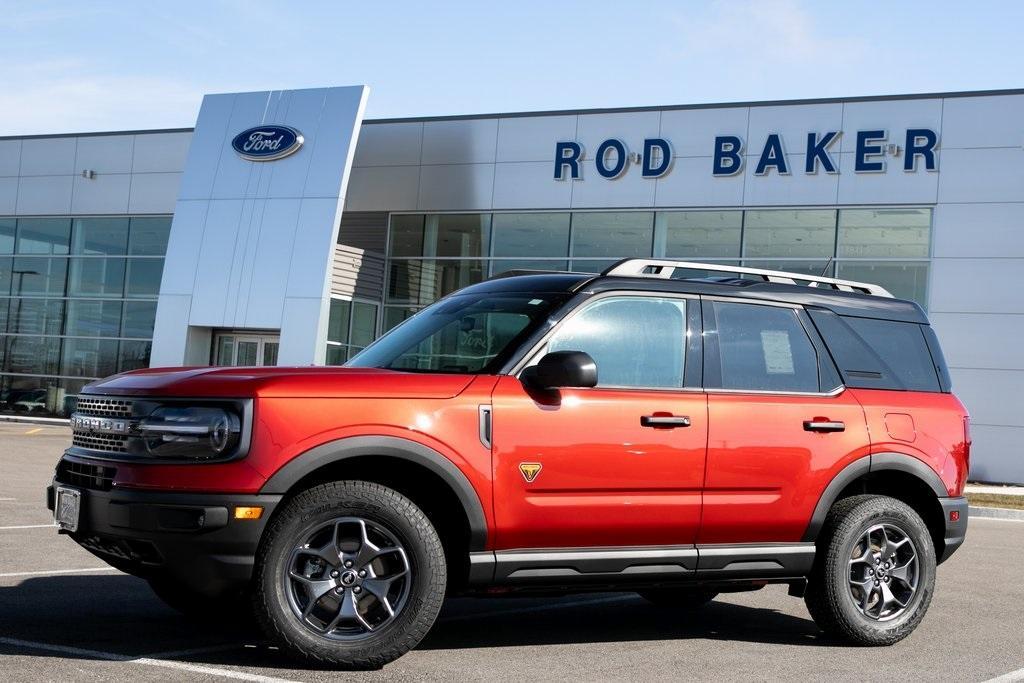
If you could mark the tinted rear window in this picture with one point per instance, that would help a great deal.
(902, 347)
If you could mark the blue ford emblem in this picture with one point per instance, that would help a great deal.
(266, 143)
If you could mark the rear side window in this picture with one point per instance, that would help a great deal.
(764, 348)
(902, 347)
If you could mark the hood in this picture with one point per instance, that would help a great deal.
(311, 382)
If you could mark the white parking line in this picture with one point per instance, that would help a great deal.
(57, 571)
(145, 661)
(29, 526)
(7, 500)
(1012, 677)
(536, 608)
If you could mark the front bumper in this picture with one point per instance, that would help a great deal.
(956, 529)
(187, 537)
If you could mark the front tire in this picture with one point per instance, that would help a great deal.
(874, 574)
(350, 574)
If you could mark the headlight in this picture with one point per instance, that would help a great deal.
(189, 432)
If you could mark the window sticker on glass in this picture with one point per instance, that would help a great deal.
(534, 302)
(778, 354)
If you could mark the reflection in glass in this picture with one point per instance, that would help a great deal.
(406, 237)
(133, 355)
(270, 353)
(337, 322)
(531, 235)
(38, 276)
(884, 233)
(364, 323)
(612, 235)
(8, 228)
(43, 235)
(90, 318)
(144, 277)
(423, 282)
(465, 235)
(89, 357)
(786, 233)
(906, 280)
(815, 267)
(35, 316)
(148, 236)
(701, 234)
(139, 317)
(96, 277)
(100, 236)
(336, 355)
(32, 355)
(506, 264)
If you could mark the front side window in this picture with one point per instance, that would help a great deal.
(636, 341)
(468, 333)
(764, 348)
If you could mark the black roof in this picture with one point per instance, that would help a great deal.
(841, 303)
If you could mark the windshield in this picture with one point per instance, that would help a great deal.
(468, 333)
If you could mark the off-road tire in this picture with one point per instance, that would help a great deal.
(679, 598)
(828, 596)
(377, 504)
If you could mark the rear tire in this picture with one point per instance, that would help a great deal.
(350, 574)
(874, 573)
(679, 598)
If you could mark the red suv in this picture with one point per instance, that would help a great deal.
(675, 429)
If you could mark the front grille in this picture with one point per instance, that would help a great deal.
(104, 443)
(104, 407)
(87, 476)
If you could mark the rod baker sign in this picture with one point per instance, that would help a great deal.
(728, 154)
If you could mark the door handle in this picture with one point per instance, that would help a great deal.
(824, 426)
(664, 421)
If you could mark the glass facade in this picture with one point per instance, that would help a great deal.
(430, 255)
(77, 303)
(351, 327)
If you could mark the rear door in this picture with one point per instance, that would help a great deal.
(780, 425)
(620, 464)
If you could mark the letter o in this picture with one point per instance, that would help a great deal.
(620, 164)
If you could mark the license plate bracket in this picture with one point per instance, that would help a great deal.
(67, 508)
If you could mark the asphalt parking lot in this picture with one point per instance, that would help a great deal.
(65, 616)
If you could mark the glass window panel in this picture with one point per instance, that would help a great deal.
(39, 276)
(148, 236)
(246, 353)
(32, 355)
(36, 316)
(337, 323)
(612, 235)
(592, 265)
(96, 277)
(144, 277)
(507, 264)
(784, 233)
(406, 235)
(270, 353)
(336, 355)
(93, 318)
(764, 348)
(139, 317)
(5, 305)
(8, 228)
(133, 355)
(43, 235)
(423, 282)
(702, 234)
(225, 350)
(89, 357)
(903, 348)
(6, 265)
(884, 233)
(364, 323)
(904, 280)
(635, 341)
(36, 395)
(100, 236)
(394, 315)
(810, 267)
(465, 235)
(531, 234)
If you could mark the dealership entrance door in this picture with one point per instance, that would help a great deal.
(245, 348)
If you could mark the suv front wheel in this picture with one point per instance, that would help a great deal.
(874, 574)
(351, 574)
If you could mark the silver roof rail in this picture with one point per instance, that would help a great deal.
(662, 268)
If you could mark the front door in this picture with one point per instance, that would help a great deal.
(621, 464)
(245, 349)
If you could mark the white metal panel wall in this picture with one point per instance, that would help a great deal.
(252, 242)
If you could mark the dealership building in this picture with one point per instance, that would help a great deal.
(287, 229)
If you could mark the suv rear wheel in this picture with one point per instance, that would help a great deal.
(875, 572)
(350, 573)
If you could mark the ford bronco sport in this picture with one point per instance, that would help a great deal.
(638, 430)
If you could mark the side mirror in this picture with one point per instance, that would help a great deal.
(561, 369)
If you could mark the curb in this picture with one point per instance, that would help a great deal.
(53, 421)
(995, 513)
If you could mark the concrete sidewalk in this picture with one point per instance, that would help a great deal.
(994, 489)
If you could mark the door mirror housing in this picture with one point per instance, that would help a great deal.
(561, 369)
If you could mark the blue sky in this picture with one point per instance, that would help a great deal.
(94, 65)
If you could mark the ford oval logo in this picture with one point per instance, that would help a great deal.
(266, 143)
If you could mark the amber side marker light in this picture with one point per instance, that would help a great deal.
(248, 512)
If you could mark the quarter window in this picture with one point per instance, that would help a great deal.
(764, 348)
(635, 341)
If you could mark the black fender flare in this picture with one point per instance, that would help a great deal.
(282, 481)
(876, 462)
